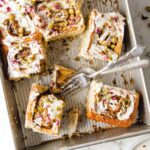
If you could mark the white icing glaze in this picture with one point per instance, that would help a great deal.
(47, 32)
(34, 95)
(96, 51)
(38, 121)
(23, 19)
(30, 68)
(53, 108)
(102, 105)
(114, 28)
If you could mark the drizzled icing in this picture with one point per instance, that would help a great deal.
(44, 17)
(48, 112)
(112, 102)
(107, 29)
(18, 11)
(32, 63)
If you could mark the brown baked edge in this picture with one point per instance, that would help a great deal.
(4, 49)
(125, 123)
(35, 88)
(30, 111)
(75, 31)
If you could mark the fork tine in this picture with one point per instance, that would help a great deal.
(70, 81)
(70, 88)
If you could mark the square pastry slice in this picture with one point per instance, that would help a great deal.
(44, 111)
(57, 19)
(26, 57)
(112, 105)
(60, 75)
(104, 36)
(14, 23)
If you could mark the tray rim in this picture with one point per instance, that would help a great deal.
(145, 131)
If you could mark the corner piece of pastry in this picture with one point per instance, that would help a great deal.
(44, 111)
(60, 75)
(112, 105)
(57, 19)
(104, 36)
(14, 21)
(25, 58)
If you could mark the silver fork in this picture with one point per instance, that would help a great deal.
(82, 80)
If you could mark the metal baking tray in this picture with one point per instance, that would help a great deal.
(64, 52)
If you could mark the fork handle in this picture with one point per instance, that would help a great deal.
(133, 65)
(134, 52)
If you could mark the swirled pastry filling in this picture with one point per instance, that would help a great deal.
(104, 37)
(60, 75)
(55, 17)
(112, 102)
(48, 112)
(25, 59)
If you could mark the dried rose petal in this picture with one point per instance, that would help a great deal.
(8, 9)
(57, 6)
(98, 31)
(57, 122)
(105, 58)
(15, 61)
(114, 98)
(116, 18)
(30, 9)
(2, 0)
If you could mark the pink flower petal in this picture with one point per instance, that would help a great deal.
(8, 9)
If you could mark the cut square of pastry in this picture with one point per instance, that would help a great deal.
(44, 111)
(26, 58)
(58, 19)
(60, 75)
(112, 105)
(104, 36)
(14, 23)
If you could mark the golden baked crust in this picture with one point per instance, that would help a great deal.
(59, 76)
(33, 109)
(104, 36)
(91, 114)
(125, 123)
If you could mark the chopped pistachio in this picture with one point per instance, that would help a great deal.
(27, 76)
(40, 108)
(20, 35)
(71, 11)
(11, 17)
(114, 39)
(112, 46)
(104, 43)
(51, 25)
(62, 24)
(110, 58)
(20, 30)
(105, 90)
(19, 7)
(78, 12)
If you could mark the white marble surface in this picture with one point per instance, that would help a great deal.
(126, 144)
(142, 33)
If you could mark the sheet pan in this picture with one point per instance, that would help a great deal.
(64, 52)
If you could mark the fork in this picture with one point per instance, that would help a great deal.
(82, 80)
